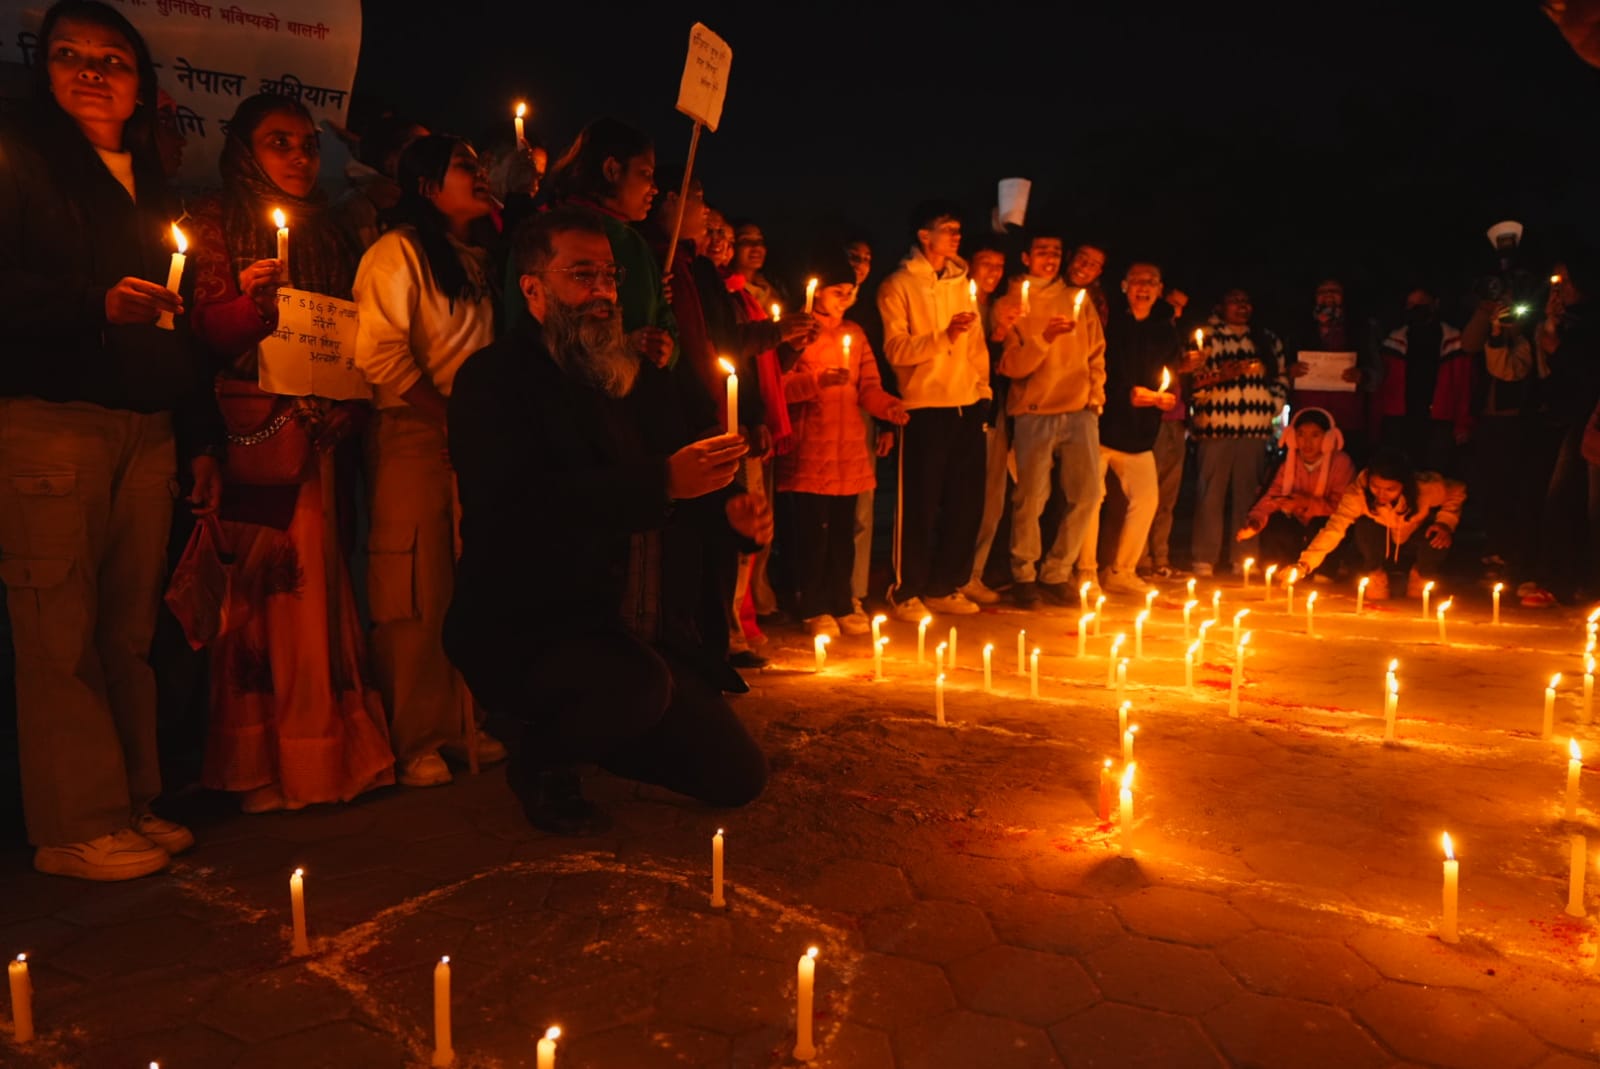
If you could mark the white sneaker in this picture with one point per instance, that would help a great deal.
(1126, 583)
(910, 611)
(975, 591)
(823, 625)
(855, 624)
(491, 751)
(171, 837)
(122, 855)
(426, 770)
(953, 604)
(1202, 570)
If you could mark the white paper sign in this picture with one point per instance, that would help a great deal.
(210, 56)
(705, 77)
(1327, 371)
(1013, 197)
(312, 353)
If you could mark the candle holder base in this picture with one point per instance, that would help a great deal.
(805, 1054)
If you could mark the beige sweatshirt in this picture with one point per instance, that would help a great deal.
(1067, 374)
(916, 305)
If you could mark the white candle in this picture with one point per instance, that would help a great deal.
(1391, 706)
(517, 114)
(1127, 742)
(1083, 596)
(1216, 605)
(972, 294)
(1150, 600)
(1361, 593)
(1111, 661)
(988, 666)
(777, 311)
(1022, 651)
(443, 1054)
(922, 639)
(1444, 639)
(1083, 634)
(297, 911)
(804, 1050)
(21, 1000)
(952, 646)
(1580, 848)
(1123, 709)
(1105, 791)
(1238, 674)
(1166, 381)
(1125, 814)
(811, 293)
(1033, 673)
(938, 657)
(1550, 707)
(1188, 609)
(1122, 678)
(717, 901)
(1266, 581)
(1099, 613)
(938, 699)
(1138, 633)
(1497, 588)
(175, 272)
(1288, 585)
(1077, 303)
(1249, 563)
(1240, 615)
(877, 657)
(281, 221)
(1574, 770)
(877, 627)
(1311, 615)
(1427, 593)
(1199, 338)
(1452, 875)
(1188, 666)
(547, 1048)
(1200, 638)
(1588, 689)
(1025, 308)
(1189, 587)
(733, 394)
(820, 645)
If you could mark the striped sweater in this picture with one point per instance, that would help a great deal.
(1236, 393)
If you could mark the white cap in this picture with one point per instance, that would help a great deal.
(1505, 234)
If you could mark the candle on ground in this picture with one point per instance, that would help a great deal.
(1588, 689)
(175, 271)
(988, 666)
(1200, 639)
(733, 394)
(877, 658)
(811, 293)
(1550, 708)
(1240, 615)
(1150, 600)
(1125, 814)
(922, 639)
(1099, 613)
(1452, 877)
(1427, 593)
(1083, 634)
(938, 699)
(1444, 639)
(1022, 647)
(804, 1050)
(1188, 665)
(1083, 596)
(1127, 742)
(1288, 585)
(1111, 661)
(1238, 674)
(1123, 709)
(443, 1053)
(1216, 605)
(1033, 673)
(1391, 706)
(1361, 593)
(1188, 609)
(1497, 588)
(952, 645)
(717, 901)
(297, 911)
(547, 1048)
(877, 627)
(1574, 770)
(517, 114)
(1105, 791)
(1266, 581)
(938, 657)
(22, 999)
(1189, 588)
(1249, 563)
(1138, 633)
(1580, 850)
(1122, 678)
(820, 645)
(1311, 614)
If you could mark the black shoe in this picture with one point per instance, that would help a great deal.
(747, 659)
(1059, 593)
(1026, 595)
(558, 807)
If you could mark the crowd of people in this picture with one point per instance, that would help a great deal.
(555, 523)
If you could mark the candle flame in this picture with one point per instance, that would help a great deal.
(1293, 577)
(279, 220)
(925, 621)
(1393, 665)
(1205, 624)
(1497, 587)
(811, 286)
(1085, 620)
(1555, 681)
(1199, 338)
(1572, 748)
(1024, 290)
(1166, 380)
(777, 311)
(1123, 663)
(1142, 617)
(1427, 588)
(179, 240)
(726, 365)
(22, 957)
(1594, 616)
(1244, 639)
(1364, 581)
(941, 647)
(1311, 599)
(1127, 775)
(1108, 762)
(1083, 591)
(846, 344)
(1242, 613)
(880, 619)
(1132, 729)
(811, 952)
(1077, 302)
(1271, 568)
(446, 959)
(552, 1033)
(972, 289)
(941, 679)
(988, 647)
(1588, 666)
(1449, 848)
(1394, 685)
(1116, 643)
(1555, 280)
(1099, 601)
(1249, 562)
(822, 640)
(1036, 651)
(883, 640)
(1194, 648)
(1126, 705)
(522, 109)
(299, 872)
(1190, 604)
(1442, 605)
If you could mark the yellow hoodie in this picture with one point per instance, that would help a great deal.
(1067, 374)
(917, 305)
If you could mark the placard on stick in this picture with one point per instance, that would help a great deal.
(312, 353)
(704, 87)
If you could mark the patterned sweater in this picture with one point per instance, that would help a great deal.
(1236, 392)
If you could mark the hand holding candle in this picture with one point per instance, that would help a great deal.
(811, 294)
(777, 311)
(518, 113)
(844, 343)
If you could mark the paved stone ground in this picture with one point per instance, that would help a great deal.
(969, 907)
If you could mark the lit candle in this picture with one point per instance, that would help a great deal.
(938, 657)
(1216, 605)
(1022, 649)
(1083, 634)
(1497, 588)
(517, 114)
(1025, 297)
(1033, 673)
(547, 1048)
(717, 901)
(733, 394)
(1189, 587)
(1188, 609)
(922, 639)
(1199, 338)
(1083, 596)
(877, 657)
(1125, 814)
(1444, 605)
(811, 293)
(938, 699)
(281, 221)
(1580, 848)
(1452, 875)
(175, 272)
(1122, 678)
(820, 645)
(972, 293)
(777, 311)
(1200, 637)
(1588, 689)
(1550, 707)
(1105, 791)
(1077, 303)
(297, 910)
(1138, 632)
(804, 1050)
(1427, 593)
(877, 627)
(21, 1000)
(1240, 615)
(443, 1054)
(845, 343)
(1127, 742)
(1238, 674)
(1150, 599)
(1111, 661)
(1361, 594)
(1099, 613)
(1249, 563)
(1288, 585)
(1391, 705)
(1266, 579)
(988, 666)
(952, 646)
(1188, 666)
(1311, 615)
(1166, 380)
(1574, 770)
(1123, 709)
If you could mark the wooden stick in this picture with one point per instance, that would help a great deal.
(683, 196)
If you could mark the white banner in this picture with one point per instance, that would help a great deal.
(210, 56)
(312, 353)
(704, 86)
(1326, 371)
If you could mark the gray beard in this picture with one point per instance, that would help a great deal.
(590, 349)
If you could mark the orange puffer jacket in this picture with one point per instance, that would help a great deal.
(831, 454)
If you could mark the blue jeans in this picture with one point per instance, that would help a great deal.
(1074, 437)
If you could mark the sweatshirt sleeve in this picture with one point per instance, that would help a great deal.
(904, 348)
(1454, 495)
(869, 387)
(1352, 504)
(1024, 354)
(387, 291)
(1096, 337)
(1508, 358)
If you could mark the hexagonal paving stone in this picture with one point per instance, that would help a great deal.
(646, 1047)
(189, 1045)
(1026, 985)
(1273, 963)
(1059, 924)
(591, 1002)
(666, 939)
(1162, 976)
(734, 995)
(960, 1038)
(137, 1004)
(1114, 1036)
(335, 901)
(1420, 959)
(1180, 916)
(411, 943)
(1290, 1034)
(847, 1045)
(605, 892)
(117, 950)
(290, 999)
(494, 895)
(889, 992)
(342, 1045)
(1555, 1008)
(459, 856)
(856, 887)
(930, 931)
(1323, 920)
(1446, 1027)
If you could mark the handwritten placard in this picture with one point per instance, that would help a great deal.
(705, 77)
(1325, 371)
(312, 353)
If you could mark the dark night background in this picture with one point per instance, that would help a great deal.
(1269, 146)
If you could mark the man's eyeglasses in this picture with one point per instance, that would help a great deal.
(592, 276)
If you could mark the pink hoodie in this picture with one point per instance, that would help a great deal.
(1308, 492)
(830, 454)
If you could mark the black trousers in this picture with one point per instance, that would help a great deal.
(942, 459)
(618, 703)
(1284, 537)
(819, 542)
(1372, 542)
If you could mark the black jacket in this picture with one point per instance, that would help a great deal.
(68, 233)
(1136, 351)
